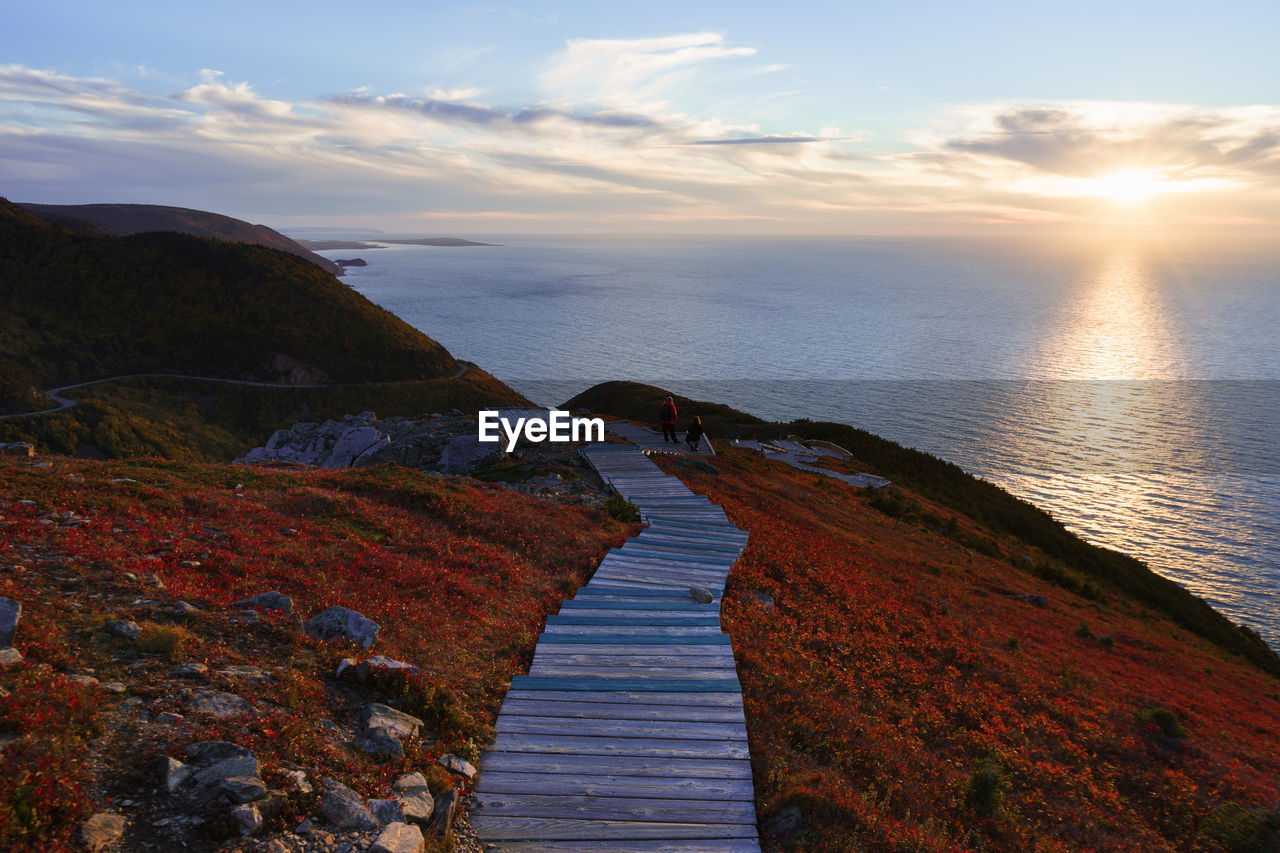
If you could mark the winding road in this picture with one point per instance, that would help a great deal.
(65, 403)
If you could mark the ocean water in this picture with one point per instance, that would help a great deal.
(1131, 389)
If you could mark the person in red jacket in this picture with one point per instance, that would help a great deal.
(667, 414)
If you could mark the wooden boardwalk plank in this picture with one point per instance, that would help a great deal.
(648, 787)
(706, 845)
(584, 727)
(657, 685)
(587, 710)
(519, 829)
(571, 807)
(628, 765)
(616, 746)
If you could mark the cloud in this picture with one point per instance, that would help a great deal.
(608, 156)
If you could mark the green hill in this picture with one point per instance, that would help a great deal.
(119, 220)
(77, 307)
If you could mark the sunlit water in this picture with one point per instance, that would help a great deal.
(1131, 391)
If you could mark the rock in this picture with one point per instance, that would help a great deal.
(246, 617)
(761, 598)
(343, 666)
(152, 579)
(417, 804)
(382, 663)
(190, 670)
(278, 845)
(243, 789)
(341, 623)
(344, 808)
(442, 815)
(115, 687)
(1033, 598)
(701, 595)
(786, 823)
(299, 779)
(353, 444)
(465, 452)
(186, 610)
(399, 838)
(219, 704)
(386, 811)
(10, 616)
(409, 780)
(190, 564)
(247, 819)
(83, 680)
(126, 629)
(380, 741)
(102, 830)
(168, 718)
(401, 724)
(208, 752)
(170, 773)
(268, 601)
(461, 766)
(244, 673)
(220, 771)
(17, 448)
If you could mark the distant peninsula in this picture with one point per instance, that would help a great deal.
(322, 245)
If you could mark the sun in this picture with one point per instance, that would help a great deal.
(1130, 186)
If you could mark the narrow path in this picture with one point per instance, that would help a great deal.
(65, 403)
(628, 733)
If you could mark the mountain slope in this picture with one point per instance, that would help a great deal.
(77, 307)
(119, 220)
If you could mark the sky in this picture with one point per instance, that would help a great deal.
(663, 117)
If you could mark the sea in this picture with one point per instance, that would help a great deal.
(1128, 386)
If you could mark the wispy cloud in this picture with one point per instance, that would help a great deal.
(610, 146)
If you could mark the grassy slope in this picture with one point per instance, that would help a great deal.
(1032, 539)
(458, 574)
(903, 699)
(78, 307)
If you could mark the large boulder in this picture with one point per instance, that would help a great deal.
(218, 704)
(272, 600)
(10, 615)
(341, 623)
(465, 452)
(399, 838)
(376, 715)
(345, 809)
(354, 443)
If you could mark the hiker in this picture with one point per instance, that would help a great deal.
(667, 414)
(694, 436)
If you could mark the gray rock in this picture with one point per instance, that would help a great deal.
(83, 680)
(244, 673)
(122, 628)
(353, 444)
(417, 804)
(186, 610)
(219, 704)
(399, 838)
(380, 741)
(382, 663)
(116, 687)
(341, 623)
(167, 718)
(344, 808)
(465, 452)
(10, 616)
(386, 811)
(190, 670)
(399, 723)
(170, 773)
(701, 595)
(761, 598)
(102, 830)
(461, 766)
(247, 819)
(246, 617)
(299, 779)
(208, 752)
(220, 771)
(409, 780)
(243, 789)
(10, 657)
(272, 600)
(344, 665)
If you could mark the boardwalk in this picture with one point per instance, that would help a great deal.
(628, 733)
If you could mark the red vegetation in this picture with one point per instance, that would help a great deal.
(458, 574)
(904, 699)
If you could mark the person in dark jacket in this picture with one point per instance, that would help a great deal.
(694, 436)
(667, 415)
